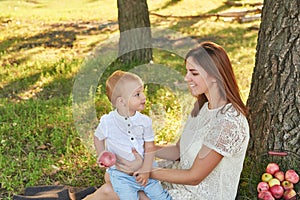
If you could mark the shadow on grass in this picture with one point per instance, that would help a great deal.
(59, 35)
(170, 3)
(230, 37)
(28, 87)
(63, 35)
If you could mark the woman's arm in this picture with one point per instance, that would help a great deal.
(201, 168)
(168, 152)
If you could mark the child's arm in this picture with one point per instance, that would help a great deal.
(100, 147)
(142, 175)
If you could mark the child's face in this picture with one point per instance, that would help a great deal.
(135, 96)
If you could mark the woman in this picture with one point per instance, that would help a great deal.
(213, 144)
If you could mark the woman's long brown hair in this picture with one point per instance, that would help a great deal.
(215, 61)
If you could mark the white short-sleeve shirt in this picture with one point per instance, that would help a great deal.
(121, 134)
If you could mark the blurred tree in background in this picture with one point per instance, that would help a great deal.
(134, 15)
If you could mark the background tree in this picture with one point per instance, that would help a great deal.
(274, 99)
(134, 15)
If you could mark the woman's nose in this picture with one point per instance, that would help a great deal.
(186, 77)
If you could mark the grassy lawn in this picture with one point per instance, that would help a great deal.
(43, 46)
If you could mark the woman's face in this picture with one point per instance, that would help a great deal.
(196, 78)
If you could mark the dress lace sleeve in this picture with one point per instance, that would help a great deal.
(228, 135)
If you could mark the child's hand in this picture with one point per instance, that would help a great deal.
(142, 177)
(100, 164)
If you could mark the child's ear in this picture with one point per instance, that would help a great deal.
(121, 101)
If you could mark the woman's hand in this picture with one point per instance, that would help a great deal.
(130, 167)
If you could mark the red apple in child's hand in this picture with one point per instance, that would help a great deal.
(287, 185)
(277, 191)
(262, 186)
(265, 195)
(290, 194)
(107, 159)
(272, 168)
(291, 176)
(279, 175)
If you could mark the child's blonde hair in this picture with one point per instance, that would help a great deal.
(116, 82)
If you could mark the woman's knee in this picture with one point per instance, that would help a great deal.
(107, 189)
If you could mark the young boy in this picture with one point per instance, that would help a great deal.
(125, 128)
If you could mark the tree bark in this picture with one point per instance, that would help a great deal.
(274, 98)
(135, 32)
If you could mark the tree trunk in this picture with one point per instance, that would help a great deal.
(135, 32)
(274, 99)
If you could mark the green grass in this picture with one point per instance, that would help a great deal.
(43, 45)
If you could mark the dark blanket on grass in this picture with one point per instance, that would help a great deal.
(55, 192)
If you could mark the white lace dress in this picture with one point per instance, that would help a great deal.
(225, 131)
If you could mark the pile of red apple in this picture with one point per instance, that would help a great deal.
(277, 184)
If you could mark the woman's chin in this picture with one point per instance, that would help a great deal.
(195, 94)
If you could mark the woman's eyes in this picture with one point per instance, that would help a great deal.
(194, 73)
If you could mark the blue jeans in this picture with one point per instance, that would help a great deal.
(127, 188)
